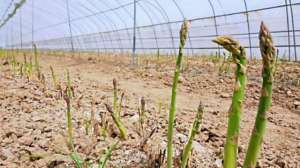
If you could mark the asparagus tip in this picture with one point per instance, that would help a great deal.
(266, 45)
(114, 82)
(184, 31)
(228, 43)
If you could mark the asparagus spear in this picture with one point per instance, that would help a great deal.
(239, 58)
(142, 114)
(115, 101)
(36, 62)
(118, 122)
(68, 98)
(54, 77)
(188, 147)
(183, 37)
(268, 55)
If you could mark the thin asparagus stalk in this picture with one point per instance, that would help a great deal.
(122, 129)
(239, 58)
(69, 87)
(1, 53)
(157, 59)
(268, 55)
(120, 104)
(14, 63)
(115, 101)
(36, 61)
(69, 115)
(188, 147)
(68, 96)
(87, 124)
(104, 125)
(142, 114)
(24, 64)
(93, 119)
(183, 37)
(107, 155)
(21, 70)
(30, 67)
(54, 77)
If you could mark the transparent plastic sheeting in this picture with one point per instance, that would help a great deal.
(107, 26)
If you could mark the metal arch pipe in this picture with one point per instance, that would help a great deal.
(66, 42)
(111, 21)
(153, 13)
(288, 28)
(153, 25)
(32, 22)
(248, 27)
(120, 18)
(80, 29)
(21, 29)
(178, 8)
(70, 26)
(133, 60)
(78, 38)
(110, 38)
(103, 41)
(293, 29)
(94, 23)
(166, 17)
(183, 17)
(99, 32)
(169, 25)
(112, 25)
(138, 30)
(116, 31)
(7, 9)
(215, 22)
(29, 27)
(11, 33)
(114, 28)
(151, 20)
(60, 5)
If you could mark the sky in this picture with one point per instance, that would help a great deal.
(50, 19)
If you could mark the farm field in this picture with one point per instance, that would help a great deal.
(33, 122)
(149, 84)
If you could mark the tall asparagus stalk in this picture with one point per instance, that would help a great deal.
(68, 97)
(183, 37)
(115, 101)
(30, 68)
(36, 61)
(14, 62)
(1, 53)
(268, 55)
(142, 114)
(53, 77)
(239, 58)
(196, 126)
